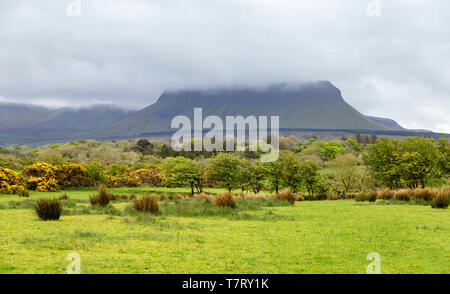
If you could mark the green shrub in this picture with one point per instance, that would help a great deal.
(48, 209)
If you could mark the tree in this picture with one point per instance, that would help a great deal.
(290, 165)
(373, 138)
(329, 149)
(398, 164)
(345, 167)
(257, 176)
(224, 168)
(144, 147)
(274, 173)
(355, 145)
(185, 172)
(244, 175)
(309, 174)
(443, 161)
(418, 161)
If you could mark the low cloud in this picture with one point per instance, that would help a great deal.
(128, 51)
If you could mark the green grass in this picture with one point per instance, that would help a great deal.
(84, 193)
(194, 236)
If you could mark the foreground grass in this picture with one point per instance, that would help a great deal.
(310, 237)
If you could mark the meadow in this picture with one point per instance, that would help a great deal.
(195, 236)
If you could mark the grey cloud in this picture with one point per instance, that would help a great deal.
(128, 51)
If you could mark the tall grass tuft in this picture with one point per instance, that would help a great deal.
(286, 195)
(203, 195)
(147, 204)
(64, 197)
(360, 197)
(425, 194)
(372, 196)
(48, 209)
(102, 198)
(386, 194)
(403, 195)
(225, 200)
(23, 193)
(441, 198)
(177, 196)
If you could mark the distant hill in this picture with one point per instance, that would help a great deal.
(316, 105)
(21, 116)
(15, 115)
(388, 123)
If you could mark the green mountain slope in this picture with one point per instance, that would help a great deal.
(387, 122)
(316, 105)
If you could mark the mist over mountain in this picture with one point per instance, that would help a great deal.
(22, 116)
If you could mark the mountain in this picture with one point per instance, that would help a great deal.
(15, 115)
(387, 122)
(302, 108)
(20, 116)
(315, 105)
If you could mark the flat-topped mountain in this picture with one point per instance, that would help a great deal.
(316, 105)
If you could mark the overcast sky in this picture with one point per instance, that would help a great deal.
(127, 52)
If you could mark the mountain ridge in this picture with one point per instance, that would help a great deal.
(317, 105)
(306, 107)
(25, 116)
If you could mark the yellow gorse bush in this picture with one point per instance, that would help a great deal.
(11, 182)
(45, 177)
(72, 175)
(41, 177)
(145, 176)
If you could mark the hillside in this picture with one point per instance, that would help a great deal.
(316, 105)
(21, 116)
(15, 115)
(387, 122)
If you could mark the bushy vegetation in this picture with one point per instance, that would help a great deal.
(147, 204)
(441, 199)
(102, 198)
(286, 195)
(406, 163)
(48, 209)
(318, 169)
(225, 200)
(11, 182)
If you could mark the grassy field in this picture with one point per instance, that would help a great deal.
(194, 236)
